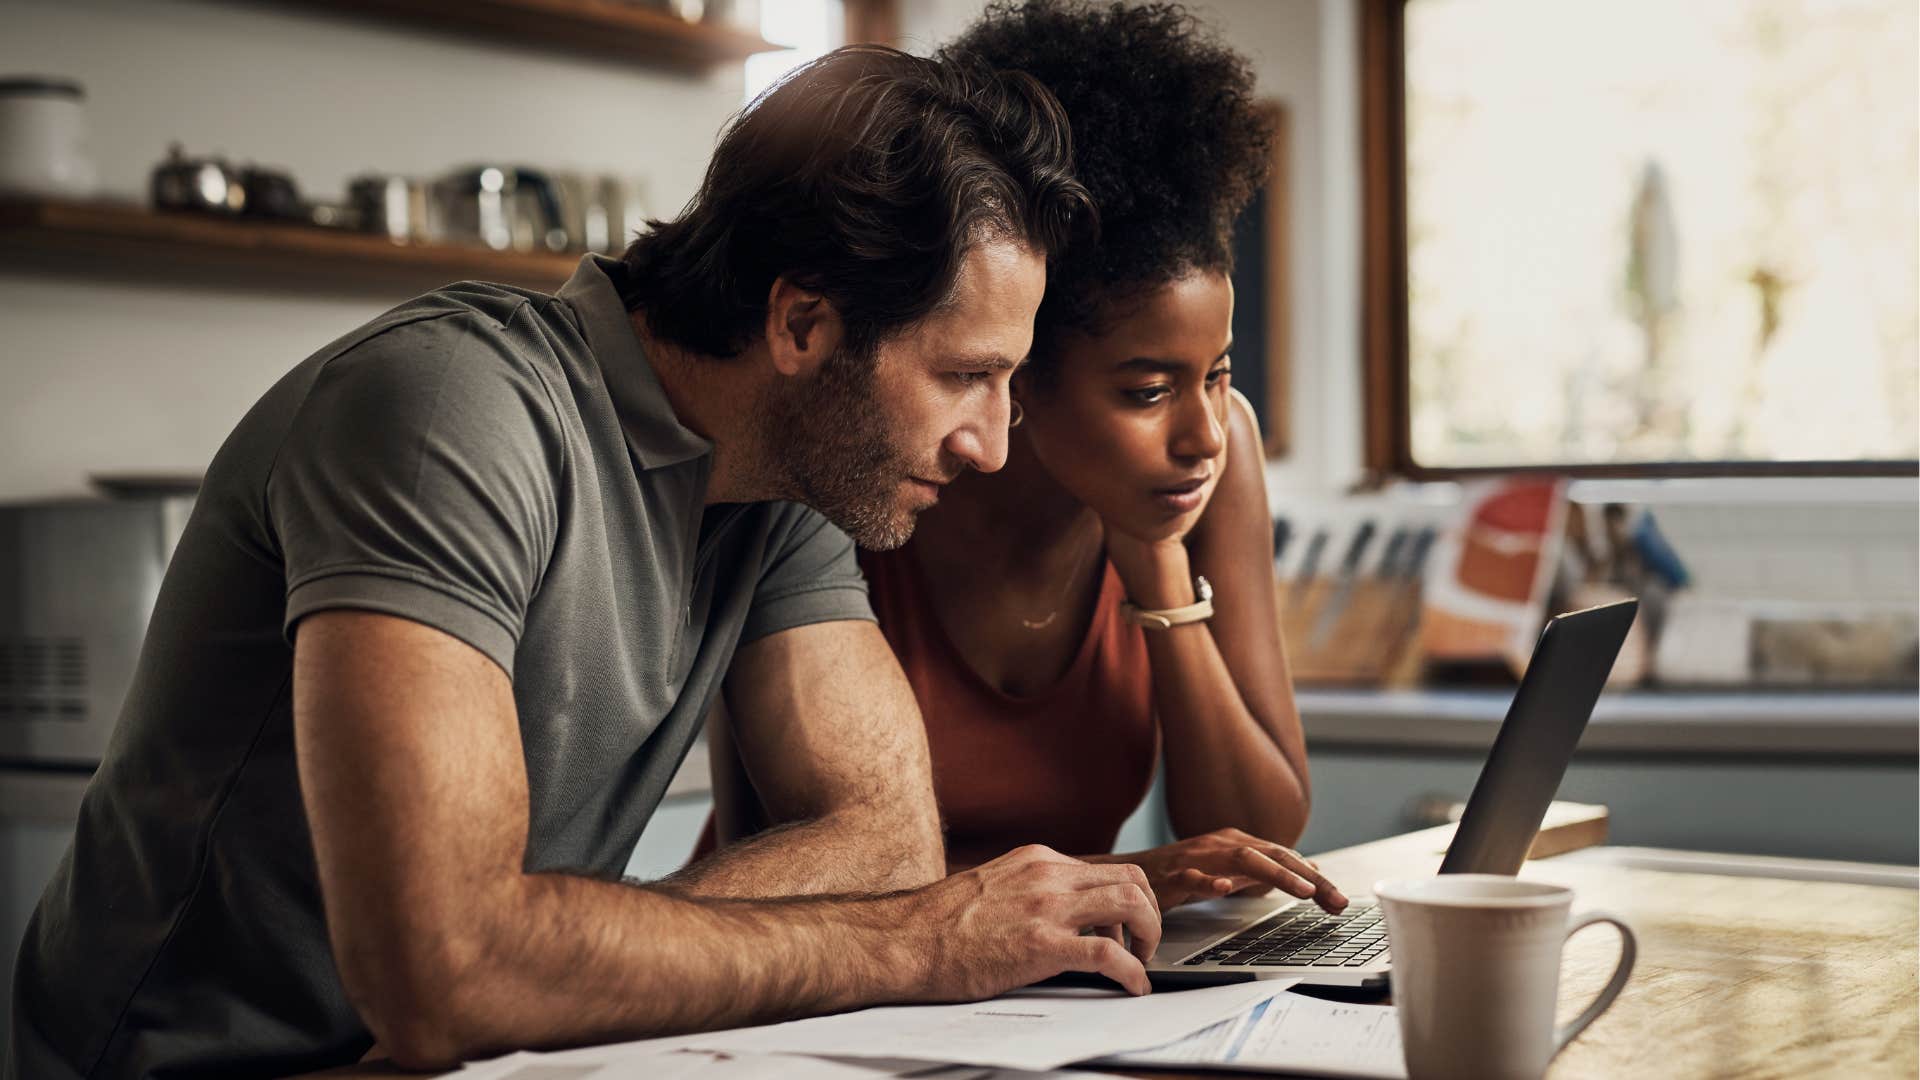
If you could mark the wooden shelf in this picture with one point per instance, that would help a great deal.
(125, 238)
(611, 29)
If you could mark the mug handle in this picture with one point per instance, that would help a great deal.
(1628, 949)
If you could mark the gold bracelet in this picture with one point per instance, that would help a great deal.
(1168, 618)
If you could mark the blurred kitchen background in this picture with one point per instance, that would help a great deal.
(1547, 302)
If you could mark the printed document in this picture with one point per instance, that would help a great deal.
(1027, 1029)
(1291, 1033)
(622, 1062)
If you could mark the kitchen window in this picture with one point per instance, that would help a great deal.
(1635, 236)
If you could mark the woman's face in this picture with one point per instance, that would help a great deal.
(1133, 420)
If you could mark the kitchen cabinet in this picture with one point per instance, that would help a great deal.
(1828, 775)
(1858, 809)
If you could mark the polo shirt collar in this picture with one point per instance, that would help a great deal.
(654, 434)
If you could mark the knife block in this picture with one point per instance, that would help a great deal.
(1348, 635)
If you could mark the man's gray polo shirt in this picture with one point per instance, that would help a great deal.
(499, 464)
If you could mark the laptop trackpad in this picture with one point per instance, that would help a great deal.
(1185, 929)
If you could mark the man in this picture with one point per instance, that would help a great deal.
(460, 588)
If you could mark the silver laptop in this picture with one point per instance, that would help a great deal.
(1237, 939)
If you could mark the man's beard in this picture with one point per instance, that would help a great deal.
(833, 446)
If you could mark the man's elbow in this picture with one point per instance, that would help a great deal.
(424, 1044)
(422, 1002)
(902, 842)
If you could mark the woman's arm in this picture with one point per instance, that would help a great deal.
(1234, 753)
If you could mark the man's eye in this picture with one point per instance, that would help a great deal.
(968, 378)
(1149, 395)
(1218, 376)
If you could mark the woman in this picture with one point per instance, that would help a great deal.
(1050, 616)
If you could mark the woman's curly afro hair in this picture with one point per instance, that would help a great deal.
(1166, 136)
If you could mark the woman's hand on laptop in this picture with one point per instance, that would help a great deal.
(1228, 861)
(1020, 919)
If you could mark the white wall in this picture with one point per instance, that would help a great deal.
(926, 24)
(100, 374)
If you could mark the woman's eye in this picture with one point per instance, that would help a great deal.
(1149, 395)
(1218, 376)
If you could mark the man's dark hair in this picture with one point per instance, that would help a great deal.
(864, 176)
(1166, 136)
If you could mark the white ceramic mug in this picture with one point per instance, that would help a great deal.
(1476, 973)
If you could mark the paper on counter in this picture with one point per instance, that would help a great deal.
(1022, 1030)
(623, 1062)
(1291, 1033)
(620, 1061)
(572, 1065)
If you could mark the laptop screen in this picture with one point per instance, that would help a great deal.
(1536, 741)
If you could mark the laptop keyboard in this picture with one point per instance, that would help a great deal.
(1306, 938)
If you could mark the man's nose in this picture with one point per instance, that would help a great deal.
(981, 441)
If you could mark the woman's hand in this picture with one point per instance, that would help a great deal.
(1228, 861)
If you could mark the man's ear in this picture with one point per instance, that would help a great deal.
(803, 328)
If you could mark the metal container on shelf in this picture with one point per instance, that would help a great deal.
(396, 207)
(627, 205)
(505, 208)
(206, 185)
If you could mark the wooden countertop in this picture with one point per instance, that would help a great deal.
(1737, 976)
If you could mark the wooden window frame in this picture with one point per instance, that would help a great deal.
(1385, 334)
(1277, 230)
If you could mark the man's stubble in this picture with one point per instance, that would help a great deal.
(834, 444)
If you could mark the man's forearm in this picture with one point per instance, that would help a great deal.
(819, 733)
(560, 960)
(850, 851)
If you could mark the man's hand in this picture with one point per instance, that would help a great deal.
(1024, 917)
(1229, 861)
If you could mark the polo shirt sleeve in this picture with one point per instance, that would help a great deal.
(809, 576)
(418, 479)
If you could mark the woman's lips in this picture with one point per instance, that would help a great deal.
(1182, 498)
